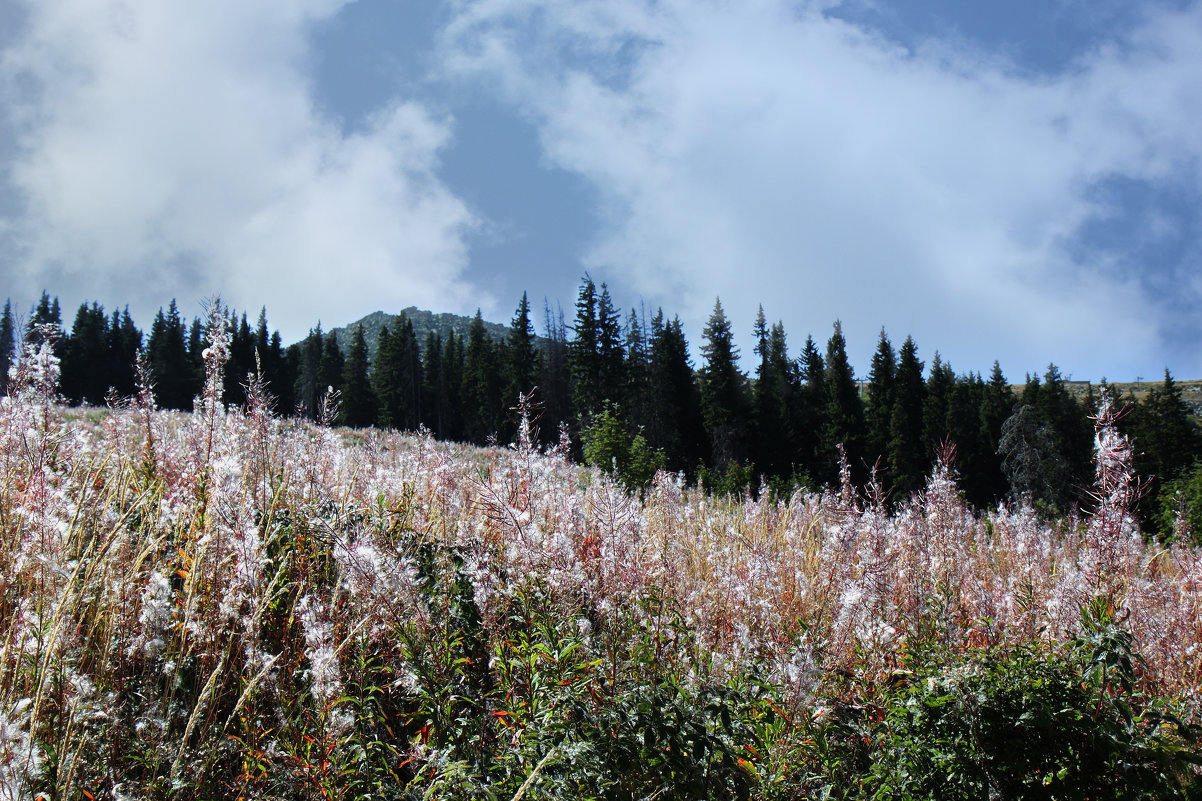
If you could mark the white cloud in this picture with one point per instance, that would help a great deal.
(175, 149)
(770, 153)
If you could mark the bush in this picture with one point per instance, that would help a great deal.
(609, 446)
(1033, 722)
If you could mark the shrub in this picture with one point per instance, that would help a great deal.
(1032, 722)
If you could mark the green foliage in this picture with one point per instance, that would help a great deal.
(1031, 722)
(1180, 507)
(609, 446)
(735, 480)
(600, 713)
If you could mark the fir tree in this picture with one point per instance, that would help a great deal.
(844, 409)
(521, 362)
(610, 353)
(1073, 434)
(997, 404)
(481, 393)
(878, 409)
(809, 414)
(122, 347)
(307, 358)
(676, 425)
(434, 390)
(241, 362)
(194, 372)
(584, 356)
(908, 460)
(84, 377)
(46, 314)
(940, 385)
(167, 356)
(330, 368)
(358, 408)
(776, 388)
(452, 380)
(636, 371)
(724, 401)
(963, 426)
(8, 330)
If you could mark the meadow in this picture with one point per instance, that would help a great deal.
(233, 604)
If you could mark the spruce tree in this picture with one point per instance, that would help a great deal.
(610, 352)
(412, 377)
(844, 410)
(724, 402)
(84, 377)
(388, 380)
(676, 424)
(434, 390)
(282, 373)
(636, 394)
(122, 347)
(941, 383)
(1073, 432)
(584, 356)
(307, 358)
(964, 432)
(878, 408)
(358, 408)
(481, 391)
(997, 403)
(776, 386)
(46, 315)
(330, 368)
(194, 374)
(908, 460)
(8, 345)
(809, 415)
(170, 367)
(452, 371)
(522, 355)
(241, 362)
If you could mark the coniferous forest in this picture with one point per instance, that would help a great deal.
(625, 389)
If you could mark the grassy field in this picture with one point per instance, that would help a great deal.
(227, 604)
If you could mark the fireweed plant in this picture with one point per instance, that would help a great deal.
(231, 604)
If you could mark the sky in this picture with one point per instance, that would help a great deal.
(1015, 181)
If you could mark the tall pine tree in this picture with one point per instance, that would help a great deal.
(878, 409)
(676, 425)
(522, 362)
(358, 408)
(724, 402)
(908, 460)
(844, 409)
(8, 345)
(584, 357)
(481, 391)
(167, 357)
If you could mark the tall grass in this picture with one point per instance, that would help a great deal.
(228, 604)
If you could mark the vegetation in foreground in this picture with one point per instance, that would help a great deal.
(225, 604)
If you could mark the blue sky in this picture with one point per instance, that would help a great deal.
(1013, 181)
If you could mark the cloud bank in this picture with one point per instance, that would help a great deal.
(175, 149)
(770, 152)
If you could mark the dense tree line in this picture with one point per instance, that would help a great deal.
(628, 390)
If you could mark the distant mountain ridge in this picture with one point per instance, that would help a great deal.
(442, 323)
